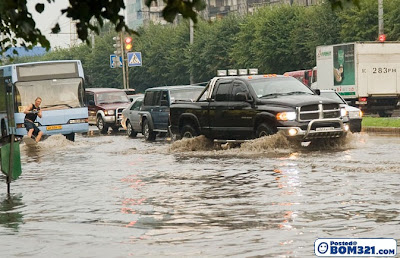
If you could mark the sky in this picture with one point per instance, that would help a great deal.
(49, 17)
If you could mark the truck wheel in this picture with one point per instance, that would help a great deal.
(148, 133)
(101, 125)
(264, 130)
(129, 129)
(188, 132)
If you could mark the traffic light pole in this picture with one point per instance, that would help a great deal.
(123, 60)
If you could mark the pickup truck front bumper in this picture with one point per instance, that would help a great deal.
(317, 130)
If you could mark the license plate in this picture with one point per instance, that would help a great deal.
(324, 128)
(53, 127)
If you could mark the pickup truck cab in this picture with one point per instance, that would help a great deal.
(246, 107)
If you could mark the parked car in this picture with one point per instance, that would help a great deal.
(155, 109)
(105, 107)
(355, 114)
(130, 93)
(131, 119)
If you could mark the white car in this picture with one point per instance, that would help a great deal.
(131, 117)
(355, 114)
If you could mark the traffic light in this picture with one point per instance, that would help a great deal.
(382, 38)
(117, 45)
(128, 44)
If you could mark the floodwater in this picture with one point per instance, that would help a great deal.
(112, 196)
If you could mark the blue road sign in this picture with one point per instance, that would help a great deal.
(134, 58)
(113, 61)
(120, 61)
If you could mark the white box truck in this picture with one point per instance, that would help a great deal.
(366, 74)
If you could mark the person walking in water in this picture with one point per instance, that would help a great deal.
(31, 113)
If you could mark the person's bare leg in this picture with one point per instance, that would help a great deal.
(39, 136)
(30, 133)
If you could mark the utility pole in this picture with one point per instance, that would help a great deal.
(191, 39)
(380, 16)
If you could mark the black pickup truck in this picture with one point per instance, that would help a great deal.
(238, 108)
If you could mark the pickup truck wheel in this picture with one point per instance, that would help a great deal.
(129, 129)
(188, 132)
(101, 125)
(148, 133)
(264, 130)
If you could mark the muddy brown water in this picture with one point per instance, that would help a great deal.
(112, 196)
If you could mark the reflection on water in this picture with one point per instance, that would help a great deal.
(10, 216)
(266, 198)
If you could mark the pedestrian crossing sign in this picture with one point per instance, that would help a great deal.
(134, 58)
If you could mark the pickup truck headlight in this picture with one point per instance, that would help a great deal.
(286, 116)
(110, 112)
(343, 112)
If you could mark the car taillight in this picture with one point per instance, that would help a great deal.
(364, 99)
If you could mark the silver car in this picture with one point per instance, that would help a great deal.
(355, 114)
(131, 117)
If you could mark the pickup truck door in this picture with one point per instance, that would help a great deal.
(218, 108)
(241, 114)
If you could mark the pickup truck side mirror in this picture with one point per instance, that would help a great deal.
(241, 96)
(317, 91)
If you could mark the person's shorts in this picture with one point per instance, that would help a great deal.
(29, 125)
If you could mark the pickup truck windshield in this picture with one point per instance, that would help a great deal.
(272, 87)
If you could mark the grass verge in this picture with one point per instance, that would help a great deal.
(381, 122)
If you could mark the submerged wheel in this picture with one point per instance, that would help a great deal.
(129, 129)
(149, 134)
(188, 131)
(101, 125)
(70, 137)
(264, 130)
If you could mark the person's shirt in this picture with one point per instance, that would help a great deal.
(32, 116)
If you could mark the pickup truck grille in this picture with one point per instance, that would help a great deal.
(320, 111)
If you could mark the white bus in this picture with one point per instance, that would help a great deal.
(60, 85)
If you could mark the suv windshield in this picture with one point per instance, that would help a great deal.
(112, 97)
(271, 87)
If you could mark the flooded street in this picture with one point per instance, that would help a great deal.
(113, 196)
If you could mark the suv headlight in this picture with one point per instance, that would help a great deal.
(286, 116)
(109, 112)
(343, 112)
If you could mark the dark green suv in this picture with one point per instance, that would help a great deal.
(155, 109)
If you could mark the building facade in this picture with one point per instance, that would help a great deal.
(138, 14)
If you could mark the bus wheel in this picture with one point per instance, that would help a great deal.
(70, 137)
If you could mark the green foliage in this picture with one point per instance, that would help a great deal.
(213, 43)
(274, 39)
(16, 21)
(360, 24)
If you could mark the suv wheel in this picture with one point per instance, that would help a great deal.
(148, 133)
(101, 125)
(188, 131)
(129, 129)
(263, 130)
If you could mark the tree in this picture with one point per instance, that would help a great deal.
(16, 21)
